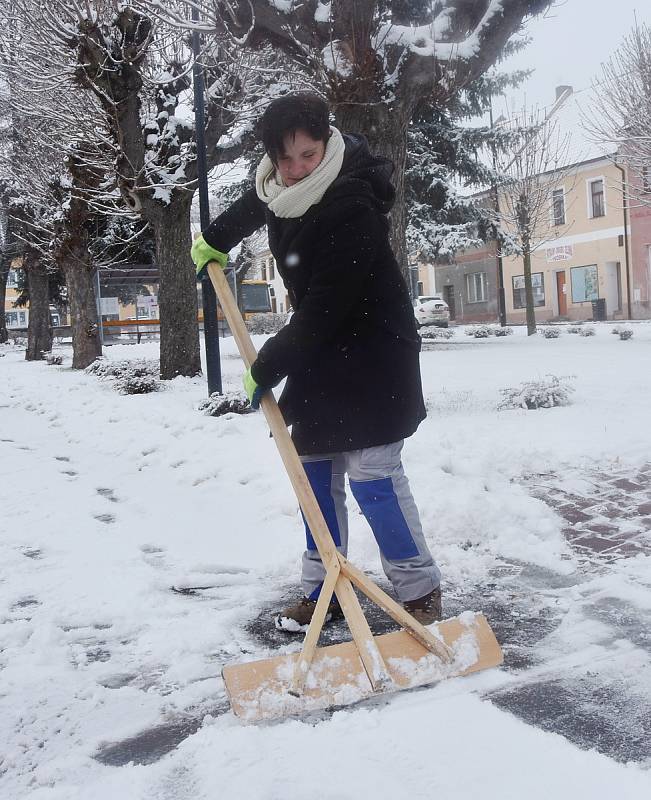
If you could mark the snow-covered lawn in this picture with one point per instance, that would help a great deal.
(114, 507)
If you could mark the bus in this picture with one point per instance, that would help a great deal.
(255, 297)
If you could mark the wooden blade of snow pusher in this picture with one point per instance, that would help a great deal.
(348, 672)
(259, 690)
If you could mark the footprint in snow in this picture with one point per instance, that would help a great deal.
(107, 493)
(107, 519)
(32, 552)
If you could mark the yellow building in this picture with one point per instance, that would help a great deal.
(582, 255)
(585, 263)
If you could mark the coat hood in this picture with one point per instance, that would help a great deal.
(364, 174)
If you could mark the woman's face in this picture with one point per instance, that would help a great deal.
(302, 155)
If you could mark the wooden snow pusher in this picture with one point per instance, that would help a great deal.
(345, 673)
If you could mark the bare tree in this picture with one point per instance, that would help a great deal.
(147, 100)
(621, 117)
(5, 264)
(51, 127)
(377, 59)
(537, 167)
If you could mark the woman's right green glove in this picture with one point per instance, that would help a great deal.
(202, 253)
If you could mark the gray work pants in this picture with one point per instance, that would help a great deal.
(380, 486)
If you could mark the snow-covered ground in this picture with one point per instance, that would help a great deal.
(144, 544)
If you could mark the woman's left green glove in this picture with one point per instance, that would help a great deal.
(202, 253)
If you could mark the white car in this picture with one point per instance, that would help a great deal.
(432, 310)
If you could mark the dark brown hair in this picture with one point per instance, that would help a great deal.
(303, 111)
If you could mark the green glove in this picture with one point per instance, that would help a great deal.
(253, 391)
(202, 253)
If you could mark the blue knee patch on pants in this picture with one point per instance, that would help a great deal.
(379, 504)
(319, 474)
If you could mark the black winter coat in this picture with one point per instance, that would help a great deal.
(350, 352)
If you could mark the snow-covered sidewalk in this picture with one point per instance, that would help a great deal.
(144, 545)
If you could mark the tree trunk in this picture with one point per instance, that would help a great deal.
(4, 272)
(386, 130)
(80, 281)
(177, 298)
(528, 291)
(39, 329)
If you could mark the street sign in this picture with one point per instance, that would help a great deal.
(109, 305)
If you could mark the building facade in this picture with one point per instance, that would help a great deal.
(594, 257)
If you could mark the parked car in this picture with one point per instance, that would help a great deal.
(432, 310)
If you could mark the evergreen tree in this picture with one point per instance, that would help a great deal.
(449, 159)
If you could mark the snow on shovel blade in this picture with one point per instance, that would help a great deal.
(258, 690)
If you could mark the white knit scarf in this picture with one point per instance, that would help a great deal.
(294, 201)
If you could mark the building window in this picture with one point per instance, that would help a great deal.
(585, 284)
(476, 287)
(558, 207)
(597, 204)
(519, 294)
(16, 319)
(12, 279)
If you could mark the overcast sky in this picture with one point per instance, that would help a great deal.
(569, 44)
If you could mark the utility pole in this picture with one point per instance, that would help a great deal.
(210, 325)
(501, 296)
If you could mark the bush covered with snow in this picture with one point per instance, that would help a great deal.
(132, 383)
(625, 333)
(130, 377)
(551, 333)
(53, 360)
(229, 403)
(587, 331)
(484, 331)
(478, 331)
(434, 332)
(546, 392)
(266, 323)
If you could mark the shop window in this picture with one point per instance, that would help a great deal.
(585, 283)
(519, 295)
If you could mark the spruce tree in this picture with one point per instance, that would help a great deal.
(449, 159)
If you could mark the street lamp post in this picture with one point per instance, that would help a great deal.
(210, 324)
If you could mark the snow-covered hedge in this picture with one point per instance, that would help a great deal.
(434, 332)
(625, 333)
(266, 323)
(551, 333)
(130, 377)
(478, 331)
(53, 360)
(546, 392)
(229, 403)
(484, 331)
(587, 331)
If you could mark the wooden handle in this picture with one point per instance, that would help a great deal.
(374, 665)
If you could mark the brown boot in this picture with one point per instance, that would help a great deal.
(296, 618)
(426, 609)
